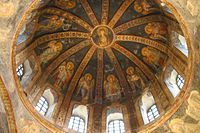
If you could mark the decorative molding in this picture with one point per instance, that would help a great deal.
(89, 12)
(131, 38)
(4, 95)
(105, 12)
(120, 12)
(137, 22)
(99, 79)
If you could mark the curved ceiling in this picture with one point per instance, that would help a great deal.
(95, 51)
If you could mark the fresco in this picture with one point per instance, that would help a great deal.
(112, 88)
(63, 74)
(85, 87)
(98, 54)
(157, 30)
(69, 4)
(145, 6)
(52, 50)
(150, 56)
(135, 81)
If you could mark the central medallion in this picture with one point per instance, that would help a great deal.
(102, 36)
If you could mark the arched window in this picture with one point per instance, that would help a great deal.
(180, 81)
(173, 80)
(180, 43)
(148, 108)
(115, 121)
(20, 71)
(76, 123)
(152, 113)
(116, 126)
(79, 118)
(42, 106)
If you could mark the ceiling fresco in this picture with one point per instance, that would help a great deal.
(96, 50)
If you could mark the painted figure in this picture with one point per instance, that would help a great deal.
(52, 23)
(157, 30)
(85, 87)
(54, 49)
(66, 4)
(144, 7)
(102, 33)
(64, 74)
(135, 80)
(153, 57)
(112, 88)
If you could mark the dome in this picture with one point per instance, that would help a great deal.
(124, 59)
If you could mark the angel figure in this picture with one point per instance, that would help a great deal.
(85, 87)
(135, 81)
(53, 49)
(112, 88)
(153, 57)
(66, 4)
(64, 74)
(52, 23)
(144, 7)
(157, 30)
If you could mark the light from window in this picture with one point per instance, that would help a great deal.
(42, 106)
(180, 81)
(181, 44)
(116, 126)
(152, 113)
(20, 71)
(77, 124)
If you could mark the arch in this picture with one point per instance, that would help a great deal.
(147, 103)
(115, 112)
(4, 96)
(114, 121)
(42, 106)
(48, 102)
(79, 119)
(173, 80)
(180, 43)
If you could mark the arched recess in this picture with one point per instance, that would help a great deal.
(173, 80)
(147, 101)
(115, 112)
(77, 120)
(51, 97)
(5, 98)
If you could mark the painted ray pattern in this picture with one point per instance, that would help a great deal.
(103, 38)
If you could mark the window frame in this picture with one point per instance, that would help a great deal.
(20, 71)
(154, 113)
(42, 106)
(180, 81)
(113, 128)
(78, 124)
